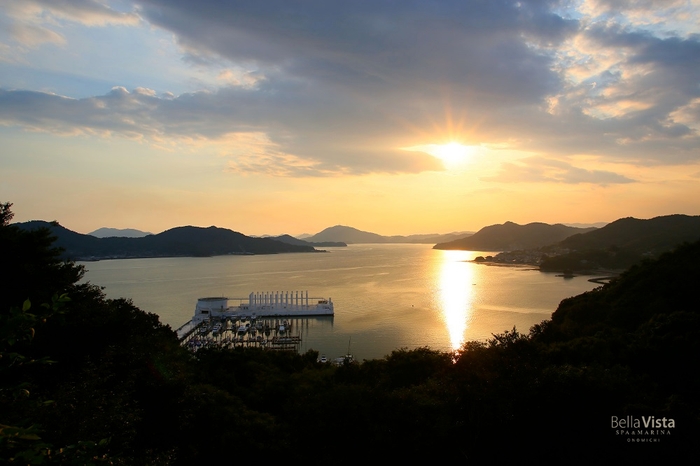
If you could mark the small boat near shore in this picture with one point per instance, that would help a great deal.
(348, 358)
(343, 360)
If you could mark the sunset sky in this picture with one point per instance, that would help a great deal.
(395, 117)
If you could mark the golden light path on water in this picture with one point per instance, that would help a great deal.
(454, 282)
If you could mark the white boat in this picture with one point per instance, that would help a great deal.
(347, 359)
(343, 360)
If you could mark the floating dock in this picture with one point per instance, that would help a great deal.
(274, 304)
(252, 321)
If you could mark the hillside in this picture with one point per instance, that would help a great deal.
(640, 296)
(511, 236)
(350, 235)
(653, 236)
(180, 241)
(624, 242)
(347, 235)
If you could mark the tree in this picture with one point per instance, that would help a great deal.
(76, 368)
(34, 271)
(6, 214)
(34, 268)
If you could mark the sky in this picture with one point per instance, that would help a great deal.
(396, 117)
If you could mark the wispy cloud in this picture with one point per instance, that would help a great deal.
(546, 170)
(86, 12)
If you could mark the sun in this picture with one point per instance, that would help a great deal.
(452, 153)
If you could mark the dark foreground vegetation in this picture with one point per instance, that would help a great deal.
(88, 380)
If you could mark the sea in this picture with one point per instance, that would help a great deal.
(386, 296)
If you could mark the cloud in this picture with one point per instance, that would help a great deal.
(337, 87)
(36, 22)
(546, 170)
(492, 59)
(664, 17)
(377, 46)
(233, 120)
(687, 115)
(32, 35)
(603, 6)
(86, 12)
(631, 93)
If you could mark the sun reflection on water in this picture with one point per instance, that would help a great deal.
(455, 280)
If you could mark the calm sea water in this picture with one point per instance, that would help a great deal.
(386, 296)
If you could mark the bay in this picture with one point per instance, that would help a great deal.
(386, 296)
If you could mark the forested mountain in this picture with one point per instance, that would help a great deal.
(180, 241)
(511, 236)
(654, 236)
(624, 242)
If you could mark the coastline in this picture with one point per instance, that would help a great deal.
(601, 276)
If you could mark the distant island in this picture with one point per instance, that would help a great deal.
(303, 242)
(186, 241)
(350, 235)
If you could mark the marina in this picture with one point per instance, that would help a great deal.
(264, 320)
(226, 332)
